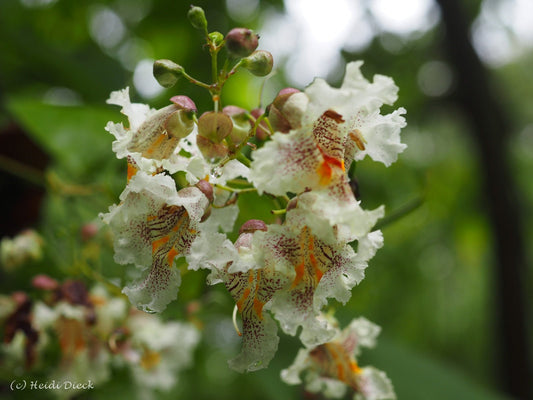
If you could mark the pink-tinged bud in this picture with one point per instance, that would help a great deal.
(20, 298)
(292, 204)
(253, 225)
(206, 188)
(259, 63)
(246, 233)
(262, 132)
(286, 110)
(241, 42)
(88, 231)
(239, 117)
(184, 103)
(214, 126)
(44, 282)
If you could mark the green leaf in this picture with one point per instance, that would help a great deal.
(419, 377)
(73, 136)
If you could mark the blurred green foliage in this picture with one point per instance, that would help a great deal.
(430, 287)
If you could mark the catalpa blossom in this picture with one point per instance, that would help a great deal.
(158, 350)
(154, 137)
(330, 128)
(165, 139)
(286, 271)
(153, 224)
(332, 367)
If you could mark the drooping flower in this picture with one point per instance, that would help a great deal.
(332, 367)
(153, 224)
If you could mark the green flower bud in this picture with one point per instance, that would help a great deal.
(214, 126)
(167, 72)
(211, 150)
(197, 18)
(241, 124)
(216, 38)
(259, 63)
(241, 42)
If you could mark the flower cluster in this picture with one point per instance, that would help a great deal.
(185, 172)
(93, 332)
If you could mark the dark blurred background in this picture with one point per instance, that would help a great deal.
(452, 287)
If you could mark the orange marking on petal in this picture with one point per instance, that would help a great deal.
(243, 298)
(300, 271)
(325, 172)
(355, 368)
(325, 169)
(258, 307)
(153, 147)
(314, 263)
(170, 256)
(156, 244)
(132, 170)
(340, 372)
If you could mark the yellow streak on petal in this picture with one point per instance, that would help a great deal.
(154, 146)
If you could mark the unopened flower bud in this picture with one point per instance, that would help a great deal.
(88, 231)
(216, 38)
(184, 103)
(206, 188)
(253, 225)
(197, 18)
(159, 135)
(259, 63)
(286, 111)
(214, 126)
(167, 72)
(211, 150)
(241, 42)
(241, 126)
(44, 282)
(246, 233)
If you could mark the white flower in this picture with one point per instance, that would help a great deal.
(163, 349)
(332, 367)
(337, 126)
(153, 224)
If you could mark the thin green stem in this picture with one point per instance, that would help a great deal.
(400, 212)
(279, 212)
(235, 190)
(197, 82)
